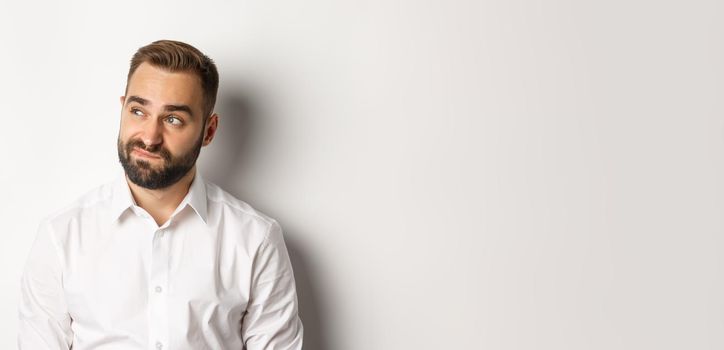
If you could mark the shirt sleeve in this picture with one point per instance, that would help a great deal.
(44, 318)
(271, 321)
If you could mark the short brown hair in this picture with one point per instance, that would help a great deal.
(176, 56)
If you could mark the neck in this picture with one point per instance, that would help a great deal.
(161, 203)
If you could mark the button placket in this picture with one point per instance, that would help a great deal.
(158, 303)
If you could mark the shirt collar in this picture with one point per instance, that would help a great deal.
(122, 199)
(197, 196)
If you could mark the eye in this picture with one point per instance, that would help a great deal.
(174, 120)
(137, 112)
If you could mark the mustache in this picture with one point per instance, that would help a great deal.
(156, 150)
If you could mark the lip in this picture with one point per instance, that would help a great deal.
(142, 153)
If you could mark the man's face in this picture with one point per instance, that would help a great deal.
(162, 126)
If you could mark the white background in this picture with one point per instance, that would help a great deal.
(510, 174)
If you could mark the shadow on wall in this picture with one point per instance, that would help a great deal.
(233, 150)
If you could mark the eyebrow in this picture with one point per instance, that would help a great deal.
(168, 108)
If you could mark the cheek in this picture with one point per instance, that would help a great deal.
(125, 130)
(130, 130)
(174, 148)
(181, 145)
(123, 138)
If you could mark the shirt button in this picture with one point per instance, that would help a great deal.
(159, 345)
(158, 290)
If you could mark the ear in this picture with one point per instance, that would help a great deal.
(123, 100)
(211, 126)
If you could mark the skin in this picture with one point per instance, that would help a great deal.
(156, 124)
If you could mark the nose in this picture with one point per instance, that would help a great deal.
(152, 133)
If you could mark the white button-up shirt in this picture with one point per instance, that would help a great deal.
(103, 275)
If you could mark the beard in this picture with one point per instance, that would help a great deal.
(144, 174)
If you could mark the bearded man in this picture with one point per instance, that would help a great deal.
(160, 258)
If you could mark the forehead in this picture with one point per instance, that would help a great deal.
(161, 87)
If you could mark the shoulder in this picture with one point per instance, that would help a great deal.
(89, 204)
(230, 209)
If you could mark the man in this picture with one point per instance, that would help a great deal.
(160, 259)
